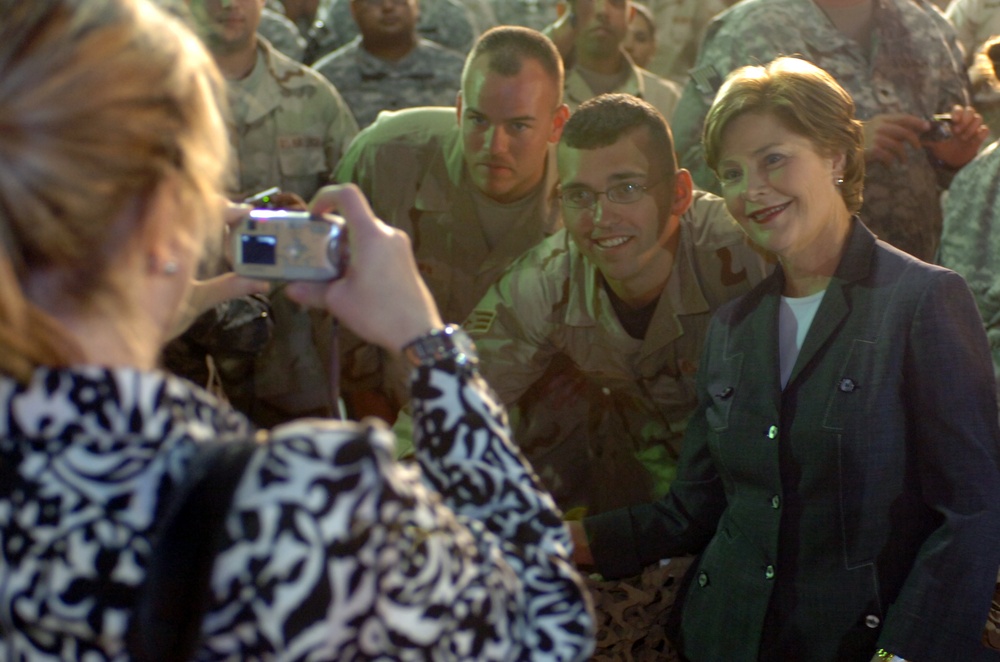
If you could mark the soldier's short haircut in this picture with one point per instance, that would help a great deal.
(508, 46)
(603, 120)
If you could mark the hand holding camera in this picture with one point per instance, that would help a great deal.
(967, 133)
(380, 294)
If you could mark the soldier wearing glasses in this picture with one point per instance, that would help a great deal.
(593, 337)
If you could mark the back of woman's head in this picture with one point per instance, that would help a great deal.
(807, 100)
(101, 103)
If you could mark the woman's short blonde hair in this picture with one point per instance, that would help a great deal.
(806, 100)
(101, 102)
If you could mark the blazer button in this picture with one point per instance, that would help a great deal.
(769, 572)
(776, 502)
(772, 432)
(847, 385)
(703, 579)
(872, 621)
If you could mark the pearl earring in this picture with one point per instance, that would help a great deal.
(839, 182)
(169, 268)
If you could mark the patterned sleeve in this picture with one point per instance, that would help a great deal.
(340, 552)
(464, 448)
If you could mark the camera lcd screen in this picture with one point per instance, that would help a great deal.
(259, 249)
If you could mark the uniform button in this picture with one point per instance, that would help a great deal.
(703, 579)
(605, 390)
(725, 393)
(847, 385)
(769, 572)
(772, 432)
(776, 502)
(872, 621)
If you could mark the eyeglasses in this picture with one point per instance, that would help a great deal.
(581, 197)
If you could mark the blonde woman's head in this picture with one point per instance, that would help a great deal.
(104, 104)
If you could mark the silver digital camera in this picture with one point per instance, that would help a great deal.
(290, 245)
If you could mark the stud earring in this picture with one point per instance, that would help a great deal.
(839, 182)
(169, 268)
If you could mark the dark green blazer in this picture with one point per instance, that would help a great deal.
(859, 507)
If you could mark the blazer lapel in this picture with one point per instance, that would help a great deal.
(854, 265)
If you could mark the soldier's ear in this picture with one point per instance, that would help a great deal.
(683, 192)
(558, 122)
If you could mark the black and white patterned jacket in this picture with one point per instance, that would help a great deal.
(334, 551)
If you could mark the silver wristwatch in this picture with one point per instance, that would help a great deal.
(451, 342)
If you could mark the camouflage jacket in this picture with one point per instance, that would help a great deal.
(282, 34)
(661, 93)
(549, 317)
(970, 240)
(289, 126)
(430, 75)
(446, 22)
(536, 14)
(915, 67)
(680, 26)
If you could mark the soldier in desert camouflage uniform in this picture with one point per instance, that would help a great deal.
(901, 65)
(446, 22)
(473, 191)
(596, 346)
(590, 36)
(389, 67)
(288, 128)
(593, 337)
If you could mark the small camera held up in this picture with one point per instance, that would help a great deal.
(290, 245)
(940, 128)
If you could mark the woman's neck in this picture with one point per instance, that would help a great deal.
(810, 270)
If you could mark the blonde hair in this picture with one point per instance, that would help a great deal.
(101, 102)
(807, 100)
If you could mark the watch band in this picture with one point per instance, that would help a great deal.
(451, 342)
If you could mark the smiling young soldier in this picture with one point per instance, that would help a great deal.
(473, 194)
(594, 335)
(592, 338)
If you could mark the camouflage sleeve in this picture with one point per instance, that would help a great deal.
(513, 332)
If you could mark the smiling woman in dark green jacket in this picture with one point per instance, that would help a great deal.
(840, 478)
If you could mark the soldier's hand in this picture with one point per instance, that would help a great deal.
(886, 136)
(967, 135)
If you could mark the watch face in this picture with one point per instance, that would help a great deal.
(450, 342)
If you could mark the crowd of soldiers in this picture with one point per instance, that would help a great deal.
(449, 116)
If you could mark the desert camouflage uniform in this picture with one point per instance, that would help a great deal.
(430, 75)
(410, 166)
(662, 94)
(282, 34)
(616, 443)
(970, 240)
(915, 67)
(289, 128)
(680, 25)
(446, 22)
(535, 14)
